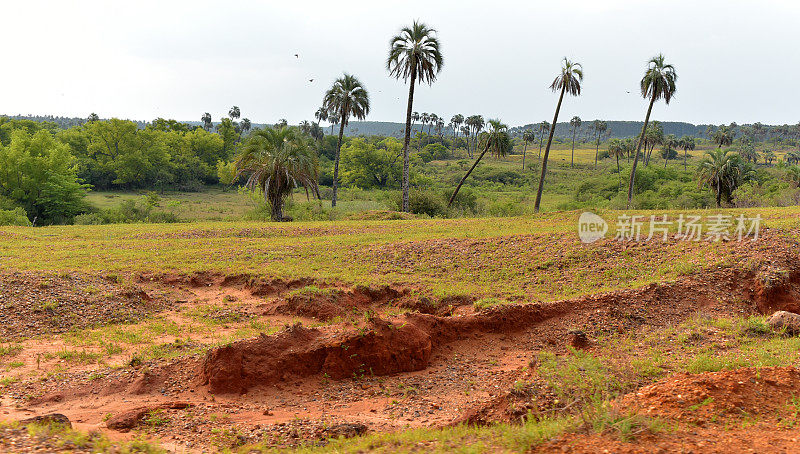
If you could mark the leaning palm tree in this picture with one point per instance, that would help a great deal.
(575, 123)
(527, 136)
(347, 97)
(278, 160)
(569, 81)
(496, 140)
(658, 82)
(414, 55)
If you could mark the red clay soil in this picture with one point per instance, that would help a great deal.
(435, 368)
(382, 349)
(713, 397)
(744, 410)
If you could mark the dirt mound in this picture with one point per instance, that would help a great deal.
(327, 303)
(383, 348)
(33, 304)
(709, 397)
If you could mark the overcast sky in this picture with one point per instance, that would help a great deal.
(736, 60)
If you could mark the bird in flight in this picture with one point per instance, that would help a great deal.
(296, 56)
(311, 80)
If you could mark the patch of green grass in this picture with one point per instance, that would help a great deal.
(486, 303)
(10, 350)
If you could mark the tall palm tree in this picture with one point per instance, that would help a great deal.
(415, 117)
(569, 81)
(600, 127)
(723, 172)
(658, 82)
(424, 118)
(433, 119)
(687, 143)
(234, 113)
(527, 136)
(575, 122)
(543, 128)
(414, 55)
(278, 160)
(347, 97)
(206, 119)
(496, 140)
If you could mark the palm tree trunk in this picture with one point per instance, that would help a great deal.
(523, 155)
(547, 151)
(336, 161)
(407, 138)
(685, 158)
(639, 147)
(453, 197)
(597, 150)
(572, 159)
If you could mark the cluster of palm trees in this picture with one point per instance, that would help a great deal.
(233, 114)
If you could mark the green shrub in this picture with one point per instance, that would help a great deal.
(421, 201)
(17, 216)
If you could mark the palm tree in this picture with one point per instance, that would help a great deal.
(769, 156)
(575, 123)
(652, 137)
(658, 82)
(600, 128)
(527, 136)
(569, 81)
(278, 160)
(723, 136)
(543, 128)
(414, 55)
(415, 117)
(234, 113)
(723, 172)
(346, 97)
(321, 115)
(476, 124)
(616, 149)
(433, 119)
(206, 119)
(668, 152)
(687, 143)
(495, 140)
(246, 125)
(456, 121)
(333, 119)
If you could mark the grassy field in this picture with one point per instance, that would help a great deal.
(526, 258)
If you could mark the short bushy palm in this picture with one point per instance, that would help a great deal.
(276, 161)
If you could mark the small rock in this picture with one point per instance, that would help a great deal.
(785, 320)
(52, 418)
(347, 430)
(578, 340)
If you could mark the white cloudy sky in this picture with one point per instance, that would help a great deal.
(736, 60)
